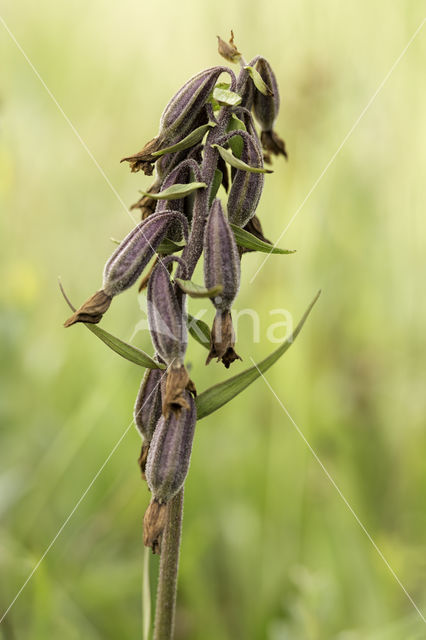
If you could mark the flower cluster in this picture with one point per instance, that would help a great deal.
(207, 142)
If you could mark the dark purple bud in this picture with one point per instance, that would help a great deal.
(221, 260)
(170, 452)
(147, 410)
(246, 187)
(167, 315)
(135, 251)
(246, 87)
(266, 109)
(181, 114)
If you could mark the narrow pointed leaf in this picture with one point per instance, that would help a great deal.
(199, 330)
(259, 83)
(218, 395)
(217, 181)
(123, 349)
(196, 291)
(190, 140)
(245, 239)
(169, 246)
(235, 123)
(229, 157)
(176, 191)
(226, 97)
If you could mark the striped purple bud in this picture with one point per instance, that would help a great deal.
(266, 109)
(167, 315)
(170, 452)
(135, 251)
(147, 411)
(246, 187)
(221, 266)
(221, 261)
(182, 112)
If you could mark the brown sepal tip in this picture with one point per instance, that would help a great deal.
(92, 310)
(222, 340)
(154, 522)
(177, 382)
(144, 160)
(272, 143)
(228, 50)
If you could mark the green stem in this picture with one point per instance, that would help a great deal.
(169, 562)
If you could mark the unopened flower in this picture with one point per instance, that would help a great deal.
(167, 316)
(147, 410)
(266, 109)
(221, 267)
(170, 452)
(246, 186)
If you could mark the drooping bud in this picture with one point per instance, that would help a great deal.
(246, 87)
(181, 114)
(136, 250)
(221, 266)
(154, 523)
(266, 109)
(169, 161)
(166, 315)
(147, 410)
(170, 452)
(246, 186)
(221, 262)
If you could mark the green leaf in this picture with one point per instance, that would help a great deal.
(189, 141)
(225, 97)
(259, 82)
(249, 241)
(218, 395)
(196, 291)
(236, 144)
(169, 246)
(176, 191)
(199, 330)
(123, 349)
(217, 181)
(235, 124)
(229, 157)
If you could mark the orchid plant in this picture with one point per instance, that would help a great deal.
(207, 140)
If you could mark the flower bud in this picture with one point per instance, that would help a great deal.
(266, 109)
(246, 187)
(221, 261)
(181, 114)
(147, 410)
(170, 452)
(135, 251)
(166, 316)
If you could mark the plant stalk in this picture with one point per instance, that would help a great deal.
(169, 562)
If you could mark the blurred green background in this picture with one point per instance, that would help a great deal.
(270, 550)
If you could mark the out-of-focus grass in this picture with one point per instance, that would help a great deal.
(269, 548)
